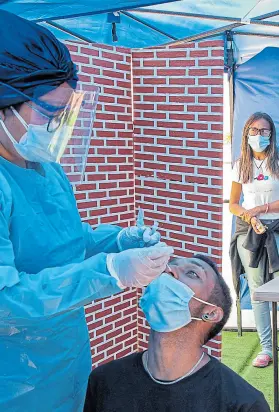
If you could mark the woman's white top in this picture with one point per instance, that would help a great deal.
(264, 188)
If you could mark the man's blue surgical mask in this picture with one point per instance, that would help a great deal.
(165, 304)
(258, 143)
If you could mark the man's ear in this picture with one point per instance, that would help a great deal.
(213, 315)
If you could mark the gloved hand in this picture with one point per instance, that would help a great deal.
(138, 236)
(138, 267)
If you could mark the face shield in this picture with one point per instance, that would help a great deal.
(63, 121)
(58, 126)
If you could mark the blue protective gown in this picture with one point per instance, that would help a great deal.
(51, 265)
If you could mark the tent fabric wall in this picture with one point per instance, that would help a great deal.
(256, 88)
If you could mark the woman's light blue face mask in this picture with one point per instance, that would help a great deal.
(165, 304)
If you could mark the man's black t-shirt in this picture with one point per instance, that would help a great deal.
(124, 386)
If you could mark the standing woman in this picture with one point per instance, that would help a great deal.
(256, 177)
(51, 264)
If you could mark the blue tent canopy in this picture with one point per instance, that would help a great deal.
(147, 23)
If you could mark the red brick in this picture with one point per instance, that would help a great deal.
(199, 108)
(154, 98)
(115, 91)
(217, 90)
(169, 159)
(211, 208)
(154, 132)
(84, 79)
(218, 127)
(73, 49)
(199, 53)
(169, 176)
(197, 90)
(197, 198)
(181, 116)
(217, 109)
(197, 126)
(154, 115)
(143, 90)
(154, 80)
(171, 54)
(113, 56)
(181, 169)
(181, 80)
(106, 99)
(210, 81)
(217, 53)
(171, 72)
(124, 84)
(211, 43)
(103, 313)
(197, 248)
(143, 72)
(181, 63)
(170, 108)
(198, 72)
(143, 54)
(182, 99)
(171, 142)
(103, 63)
(208, 135)
(209, 242)
(181, 134)
(170, 90)
(210, 118)
(113, 74)
(217, 72)
(167, 194)
(81, 59)
(211, 62)
(210, 99)
(180, 152)
(171, 125)
(123, 67)
(207, 171)
(154, 63)
(96, 72)
(171, 210)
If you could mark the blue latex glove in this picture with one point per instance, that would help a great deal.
(138, 267)
(138, 236)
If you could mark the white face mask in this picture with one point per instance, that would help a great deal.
(35, 144)
(258, 143)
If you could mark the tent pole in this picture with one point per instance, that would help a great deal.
(70, 32)
(230, 66)
(245, 33)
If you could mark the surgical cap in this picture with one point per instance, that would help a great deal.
(30, 57)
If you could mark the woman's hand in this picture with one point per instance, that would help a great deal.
(256, 211)
(254, 223)
(246, 217)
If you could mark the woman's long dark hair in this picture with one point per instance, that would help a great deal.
(246, 158)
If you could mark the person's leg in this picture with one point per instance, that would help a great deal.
(255, 277)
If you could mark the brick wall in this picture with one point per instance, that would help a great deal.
(175, 171)
(178, 134)
(107, 194)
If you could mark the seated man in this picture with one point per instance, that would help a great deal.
(184, 309)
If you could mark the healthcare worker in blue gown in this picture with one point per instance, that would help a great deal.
(51, 264)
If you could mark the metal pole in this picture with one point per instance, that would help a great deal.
(275, 355)
(70, 32)
(247, 33)
(239, 318)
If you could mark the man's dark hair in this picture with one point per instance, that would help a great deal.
(220, 296)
